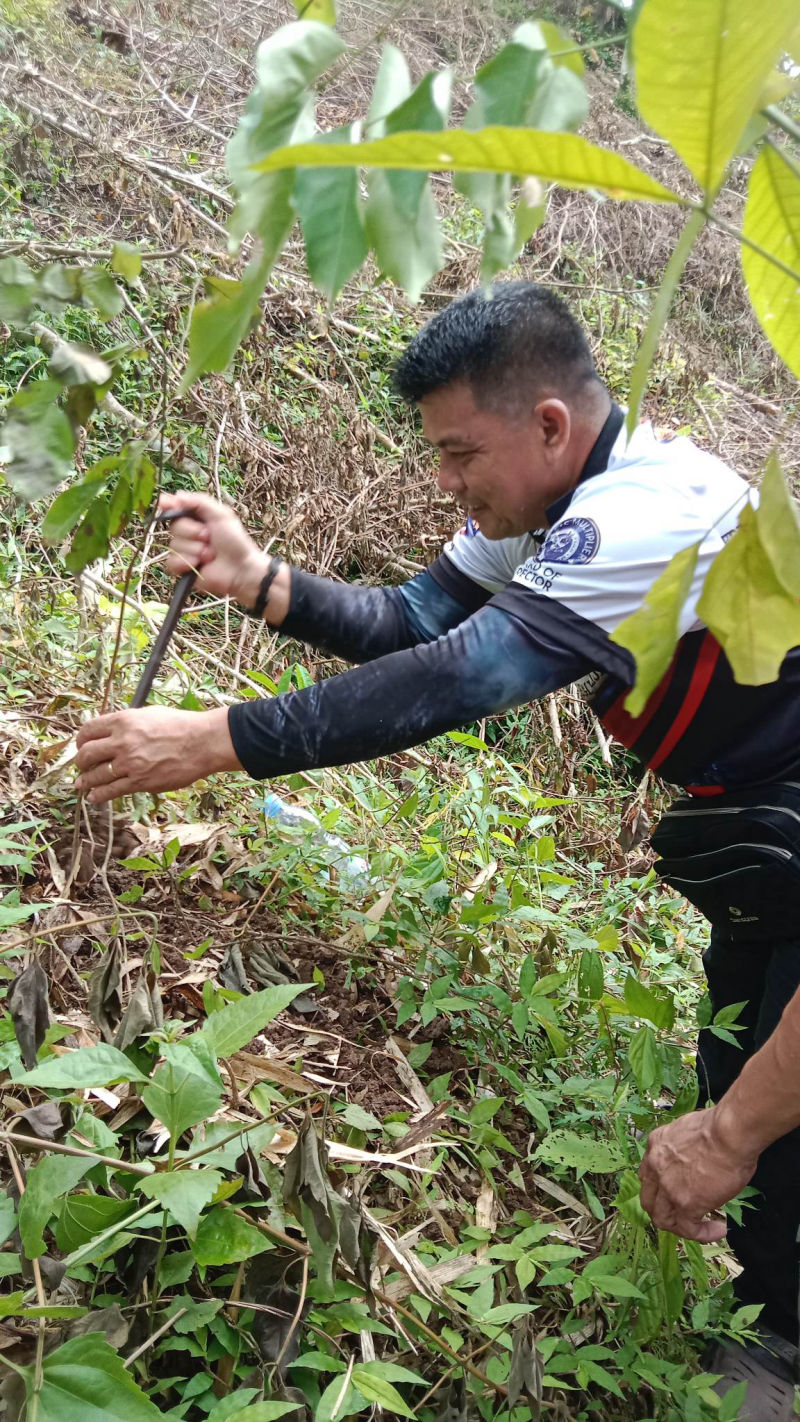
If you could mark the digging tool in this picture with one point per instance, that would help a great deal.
(183, 588)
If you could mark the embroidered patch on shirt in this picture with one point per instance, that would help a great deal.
(574, 540)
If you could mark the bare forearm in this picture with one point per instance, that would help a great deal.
(764, 1101)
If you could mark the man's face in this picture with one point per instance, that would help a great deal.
(504, 469)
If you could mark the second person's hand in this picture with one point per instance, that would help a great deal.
(211, 541)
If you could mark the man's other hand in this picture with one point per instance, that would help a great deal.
(211, 541)
(691, 1169)
(154, 748)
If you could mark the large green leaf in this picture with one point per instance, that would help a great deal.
(400, 218)
(772, 220)
(563, 158)
(18, 289)
(36, 441)
(49, 1179)
(84, 1217)
(581, 1153)
(779, 527)
(644, 1060)
(233, 1026)
(179, 1096)
(278, 111)
(328, 204)
(88, 1066)
(220, 324)
(747, 608)
(223, 1237)
(376, 1388)
(101, 291)
(324, 11)
(65, 511)
(85, 1380)
(650, 633)
(92, 536)
(700, 69)
(185, 1193)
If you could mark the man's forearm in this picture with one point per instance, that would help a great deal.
(764, 1101)
(484, 665)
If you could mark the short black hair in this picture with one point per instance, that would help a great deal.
(509, 341)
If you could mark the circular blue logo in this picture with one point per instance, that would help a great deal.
(574, 540)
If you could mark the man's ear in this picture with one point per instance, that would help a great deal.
(555, 423)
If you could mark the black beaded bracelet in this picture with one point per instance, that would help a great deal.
(263, 592)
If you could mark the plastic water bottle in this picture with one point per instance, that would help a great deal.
(353, 869)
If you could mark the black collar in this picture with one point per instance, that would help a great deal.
(597, 462)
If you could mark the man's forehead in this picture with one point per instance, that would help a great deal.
(451, 417)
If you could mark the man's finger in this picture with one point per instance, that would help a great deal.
(111, 791)
(93, 730)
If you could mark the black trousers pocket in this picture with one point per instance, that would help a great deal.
(750, 891)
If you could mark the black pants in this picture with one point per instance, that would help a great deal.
(766, 977)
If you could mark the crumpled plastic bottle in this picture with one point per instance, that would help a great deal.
(353, 869)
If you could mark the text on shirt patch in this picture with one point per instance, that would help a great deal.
(574, 540)
(537, 574)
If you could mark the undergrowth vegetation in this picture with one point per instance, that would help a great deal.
(301, 1121)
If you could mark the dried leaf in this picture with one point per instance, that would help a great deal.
(28, 1005)
(144, 1014)
(105, 997)
(231, 971)
(527, 1370)
(254, 1187)
(45, 1121)
(331, 1223)
(271, 967)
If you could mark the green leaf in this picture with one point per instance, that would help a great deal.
(18, 289)
(779, 526)
(36, 441)
(700, 70)
(651, 633)
(101, 291)
(748, 610)
(223, 1237)
(262, 1412)
(563, 158)
(655, 1003)
(355, 1115)
(230, 1029)
(178, 1096)
(279, 111)
(616, 1286)
(671, 1277)
(579, 1152)
(400, 217)
(376, 1388)
(8, 1218)
(220, 324)
(91, 538)
(323, 11)
(329, 207)
(660, 310)
(46, 1183)
(333, 1404)
(67, 508)
(645, 1061)
(83, 1217)
(126, 260)
(86, 1381)
(772, 220)
(590, 975)
(185, 1193)
(88, 1066)
(385, 1369)
(72, 364)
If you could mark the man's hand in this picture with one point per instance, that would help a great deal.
(216, 546)
(153, 749)
(691, 1168)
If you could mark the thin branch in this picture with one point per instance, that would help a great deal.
(782, 120)
(154, 1337)
(131, 1167)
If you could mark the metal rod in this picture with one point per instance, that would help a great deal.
(183, 588)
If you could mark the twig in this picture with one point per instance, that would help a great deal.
(297, 1315)
(131, 1167)
(154, 1337)
(40, 1293)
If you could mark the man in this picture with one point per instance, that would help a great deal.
(569, 522)
(699, 1162)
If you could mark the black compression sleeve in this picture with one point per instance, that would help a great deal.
(488, 663)
(360, 624)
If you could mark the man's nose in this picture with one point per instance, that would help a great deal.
(448, 476)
